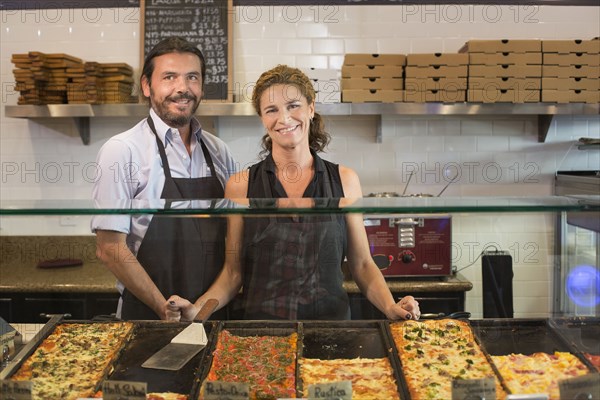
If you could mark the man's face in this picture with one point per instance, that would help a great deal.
(175, 88)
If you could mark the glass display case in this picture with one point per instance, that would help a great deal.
(431, 247)
(402, 232)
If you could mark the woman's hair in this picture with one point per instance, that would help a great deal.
(318, 139)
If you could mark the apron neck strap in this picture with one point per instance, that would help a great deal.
(161, 149)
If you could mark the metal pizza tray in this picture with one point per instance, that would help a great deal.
(14, 365)
(327, 340)
(246, 328)
(46, 330)
(479, 343)
(501, 337)
(149, 337)
(582, 333)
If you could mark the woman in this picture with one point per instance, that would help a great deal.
(290, 268)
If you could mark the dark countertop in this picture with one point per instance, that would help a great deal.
(20, 255)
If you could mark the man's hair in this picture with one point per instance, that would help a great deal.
(172, 45)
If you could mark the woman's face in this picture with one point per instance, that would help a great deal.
(286, 115)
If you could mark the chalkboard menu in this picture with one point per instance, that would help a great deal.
(207, 24)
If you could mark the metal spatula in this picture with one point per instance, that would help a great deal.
(185, 345)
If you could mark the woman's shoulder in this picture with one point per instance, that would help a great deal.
(350, 182)
(237, 185)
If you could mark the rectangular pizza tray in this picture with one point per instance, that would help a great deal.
(244, 329)
(327, 340)
(147, 338)
(501, 337)
(583, 333)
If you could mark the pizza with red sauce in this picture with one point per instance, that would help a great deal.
(266, 363)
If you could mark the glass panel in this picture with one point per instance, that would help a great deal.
(400, 205)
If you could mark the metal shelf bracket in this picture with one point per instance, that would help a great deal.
(83, 127)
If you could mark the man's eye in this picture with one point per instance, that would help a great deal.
(193, 78)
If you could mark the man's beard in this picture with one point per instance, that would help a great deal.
(172, 119)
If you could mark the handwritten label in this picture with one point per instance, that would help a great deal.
(217, 390)
(15, 390)
(474, 389)
(580, 388)
(123, 390)
(206, 24)
(332, 390)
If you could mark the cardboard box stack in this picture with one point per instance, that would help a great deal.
(436, 78)
(61, 78)
(373, 78)
(326, 83)
(504, 71)
(102, 84)
(571, 71)
(42, 78)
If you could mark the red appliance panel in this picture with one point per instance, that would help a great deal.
(411, 245)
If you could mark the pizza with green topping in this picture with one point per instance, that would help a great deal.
(72, 361)
(435, 352)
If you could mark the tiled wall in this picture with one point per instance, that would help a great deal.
(495, 156)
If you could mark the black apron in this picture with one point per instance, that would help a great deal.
(182, 255)
(293, 265)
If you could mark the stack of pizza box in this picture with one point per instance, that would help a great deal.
(438, 77)
(504, 71)
(104, 84)
(373, 78)
(571, 71)
(60, 78)
(42, 78)
(326, 83)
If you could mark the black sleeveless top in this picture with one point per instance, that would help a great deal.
(292, 265)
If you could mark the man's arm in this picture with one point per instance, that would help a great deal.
(112, 250)
(228, 283)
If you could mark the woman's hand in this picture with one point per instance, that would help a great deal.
(176, 305)
(406, 308)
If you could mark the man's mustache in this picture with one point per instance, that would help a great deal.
(184, 96)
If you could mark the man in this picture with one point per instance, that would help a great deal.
(166, 156)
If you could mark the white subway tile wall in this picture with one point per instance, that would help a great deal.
(493, 156)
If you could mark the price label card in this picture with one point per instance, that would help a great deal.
(15, 390)
(123, 390)
(217, 390)
(474, 389)
(580, 388)
(341, 390)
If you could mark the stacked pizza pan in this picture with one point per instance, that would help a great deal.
(282, 359)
